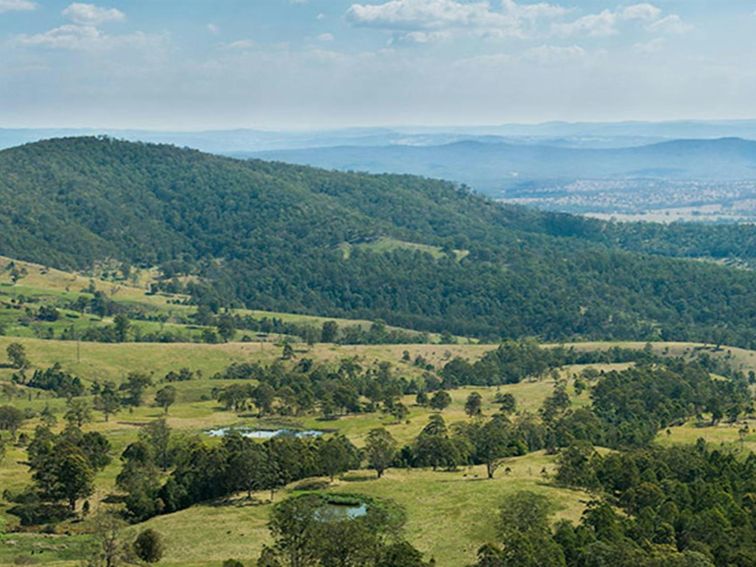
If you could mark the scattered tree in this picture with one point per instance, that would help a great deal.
(473, 405)
(107, 400)
(165, 397)
(381, 449)
(440, 400)
(78, 412)
(11, 419)
(17, 356)
(148, 546)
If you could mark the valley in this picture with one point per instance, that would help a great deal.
(205, 364)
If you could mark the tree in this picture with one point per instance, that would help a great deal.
(17, 356)
(11, 419)
(421, 398)
(107, 400)
(493, 442)
(111, 550)
(94, 444)
(288, 351)
(556, 403)
(399, 411)
(329, 332)
(226, 327)
(302, 538)
(247, 459)
(293, 527)
(507, 403)
(73, 473)
(575, 466)
(48, 416)
(526, 534)
(263, 397)
(157, 435)
(337, 454)
(140, 480)
(122, 325)
(78, 412)
(440, 400)
(165, 397)
(134, 386)
(473, 405)
(148, 546)
(434, 448)
(380, 448)
(401, 554)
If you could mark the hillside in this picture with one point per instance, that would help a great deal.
(272, 236)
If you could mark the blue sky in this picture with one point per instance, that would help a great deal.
(298, 64)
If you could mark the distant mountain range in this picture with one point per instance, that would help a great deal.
(493, 167)
(560, 134)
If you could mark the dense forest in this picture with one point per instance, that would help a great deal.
(273, 236)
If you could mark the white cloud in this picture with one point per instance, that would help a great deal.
(645, 12)
(69, 36)
(607, 22)
(552, 54)
(326, 37)
(425, 15)
(422, 37)
(213, 29)
(602, 24)
(85, 38)
(17, 6)
(421, 21)
(84, 33)
(90, 14)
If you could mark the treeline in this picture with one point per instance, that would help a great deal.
(682, 506)
(330, 389)
(725, 241)
(267, 236)
(513, 361)
(227, 323)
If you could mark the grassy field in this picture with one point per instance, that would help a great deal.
(449, 515)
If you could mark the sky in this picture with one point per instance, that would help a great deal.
(307, 64)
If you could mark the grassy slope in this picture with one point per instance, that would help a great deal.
(52, 286)
(450, 514)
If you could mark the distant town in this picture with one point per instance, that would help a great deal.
(659, 200)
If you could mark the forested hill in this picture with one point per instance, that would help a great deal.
(412, 251)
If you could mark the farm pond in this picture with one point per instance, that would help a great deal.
(257, 433)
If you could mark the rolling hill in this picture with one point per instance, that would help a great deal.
(273, 236)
